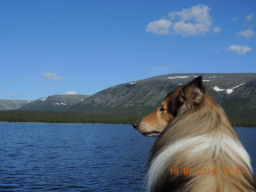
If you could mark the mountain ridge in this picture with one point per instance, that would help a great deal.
(235, 92)
(141, 97)
(54, 102)
(6, 104)
(160, 86)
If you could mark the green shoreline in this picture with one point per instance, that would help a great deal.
(73, 117)
(68, 123)
(64, 117)
(94, 124)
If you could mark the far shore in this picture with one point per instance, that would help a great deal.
(87, 123)
(66, 123)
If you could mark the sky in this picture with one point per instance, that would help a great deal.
(50, 47)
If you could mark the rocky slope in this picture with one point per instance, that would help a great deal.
(235, 92)
(12, 104)
(54, 103)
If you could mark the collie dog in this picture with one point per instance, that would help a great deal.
(197, 149)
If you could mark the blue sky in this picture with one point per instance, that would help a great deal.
(52, 47)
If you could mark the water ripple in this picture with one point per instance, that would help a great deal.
(76, 158)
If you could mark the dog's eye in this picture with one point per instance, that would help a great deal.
(161, 109)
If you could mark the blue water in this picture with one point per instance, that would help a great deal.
(79, 157)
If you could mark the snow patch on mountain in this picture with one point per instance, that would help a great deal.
(179, 77)
(218, 89)
(60, 103)
(228, 91)
(232, 89)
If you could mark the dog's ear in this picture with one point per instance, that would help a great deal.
(194, 91)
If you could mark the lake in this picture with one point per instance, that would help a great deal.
(79, 157)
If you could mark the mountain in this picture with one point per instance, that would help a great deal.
(235, 92)
(12, 104)
(54, 103)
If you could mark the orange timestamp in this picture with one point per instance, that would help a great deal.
(207, 171)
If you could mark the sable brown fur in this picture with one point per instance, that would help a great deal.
(195, 114)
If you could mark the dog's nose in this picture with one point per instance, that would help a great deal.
(135, 125)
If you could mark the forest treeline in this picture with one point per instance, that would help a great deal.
(82, 117)
(63, 117)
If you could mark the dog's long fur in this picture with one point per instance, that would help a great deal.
(198, 136)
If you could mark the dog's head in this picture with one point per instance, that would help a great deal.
(176, 102)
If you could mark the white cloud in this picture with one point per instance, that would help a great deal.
(246, 34)
(216, 30)
(13, 95)
(240, 49)
(249, 17)
(193, 21)
(188, 29)
(70, 93)
(187, 22)
(160, 27)
(52, 76)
